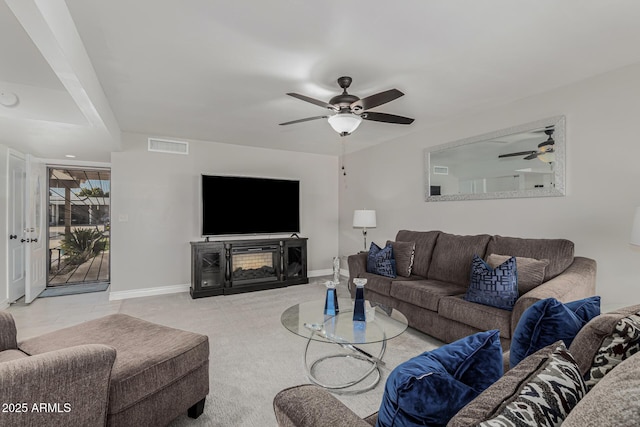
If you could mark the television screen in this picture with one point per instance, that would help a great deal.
(247, 205)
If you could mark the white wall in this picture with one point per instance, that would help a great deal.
(603, 180)
(4, 231)
(160, 195)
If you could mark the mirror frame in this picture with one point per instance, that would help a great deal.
(559, 164)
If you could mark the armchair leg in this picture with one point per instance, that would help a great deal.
(196, 410)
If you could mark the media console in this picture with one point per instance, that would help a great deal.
(234, 266)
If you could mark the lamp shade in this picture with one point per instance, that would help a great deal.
(344, 123)
(364, 218)
(635, 231)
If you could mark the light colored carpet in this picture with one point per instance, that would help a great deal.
(252, 356)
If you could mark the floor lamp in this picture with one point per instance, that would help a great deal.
(364, 219)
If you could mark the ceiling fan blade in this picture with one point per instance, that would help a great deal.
(532, 156)
(303, 120)
(386, 118)
(372, 101)
(520, 153)
(313, 101)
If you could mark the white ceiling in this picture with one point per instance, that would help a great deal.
(218, 70)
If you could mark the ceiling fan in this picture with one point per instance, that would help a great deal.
(349, 110)
(544, 152)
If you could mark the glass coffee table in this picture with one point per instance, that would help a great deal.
(309, 321)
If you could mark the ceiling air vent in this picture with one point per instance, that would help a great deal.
(441, 170)
(168, 146)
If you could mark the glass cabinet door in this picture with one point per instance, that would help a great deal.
(207, 269)
(211, 269)
(295, 260)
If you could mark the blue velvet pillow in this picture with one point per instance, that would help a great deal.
(380, 260)
(497, 287)
(432, 387)
(548, 321)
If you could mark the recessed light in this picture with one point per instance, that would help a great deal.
(70, 156)
(9, 99)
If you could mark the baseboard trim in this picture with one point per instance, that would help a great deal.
(327, 272)
(148, 292)
(174, 289)
(4, 304)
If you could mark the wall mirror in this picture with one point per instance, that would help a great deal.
(521, 161)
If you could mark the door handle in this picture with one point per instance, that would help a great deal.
(34, 240)
(24, 240)
(13, 236)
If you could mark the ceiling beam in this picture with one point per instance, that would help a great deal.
(51, 28)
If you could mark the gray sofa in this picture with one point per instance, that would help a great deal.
(431, 296)
(116, 370)
(612, 401)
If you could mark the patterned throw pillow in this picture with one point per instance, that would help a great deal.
(495, 287)
(546, 398)
(530, 270)
(620, 345)
(403, 253)
(380, 261)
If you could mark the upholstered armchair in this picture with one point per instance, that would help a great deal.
(63, 387)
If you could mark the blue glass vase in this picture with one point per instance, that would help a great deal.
(358, 308)
(331, 302)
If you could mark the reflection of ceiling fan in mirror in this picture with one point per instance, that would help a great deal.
(544, 152)
(349, 110)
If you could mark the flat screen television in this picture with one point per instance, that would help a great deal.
(249, 205)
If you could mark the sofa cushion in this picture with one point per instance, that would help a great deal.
(530, 271)
(425, 242)
(149, 356)
(377, 284)
(380, 261)
(559, 252)
(403, 254)
(11, 354)
(481, 317)
(430, 388)
(451, 261)
(540, 391)
(423, 293)
(495, 287)
(613, 402)
(587, 347)
(547, 321)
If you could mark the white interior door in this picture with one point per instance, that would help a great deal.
(17, 225)
(36, 251)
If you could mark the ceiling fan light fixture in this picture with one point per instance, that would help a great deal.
(344, 123)
(547, 157)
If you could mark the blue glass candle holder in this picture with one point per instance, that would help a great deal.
(331, 302)
(358, 308)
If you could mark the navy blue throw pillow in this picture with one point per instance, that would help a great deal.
(497, 287)
(431, 388)
(380, 261)
(371, 257)
(548, 321)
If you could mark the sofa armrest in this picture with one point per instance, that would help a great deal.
(576, 282)
(63, 387)
(8, 332)
(309, 406)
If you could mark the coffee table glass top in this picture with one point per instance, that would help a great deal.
(382, 323)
